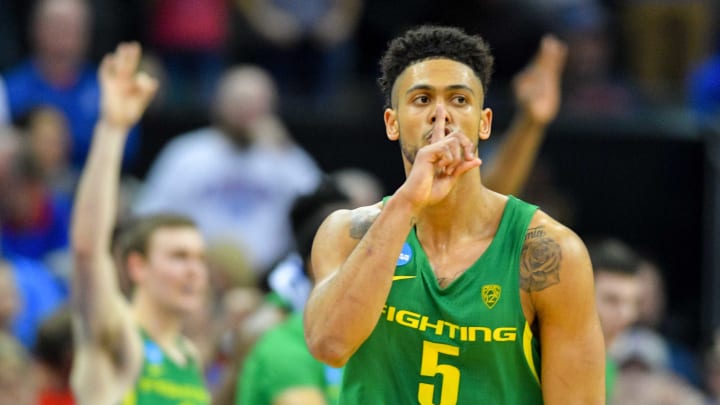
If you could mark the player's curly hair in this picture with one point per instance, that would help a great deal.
(434, 42)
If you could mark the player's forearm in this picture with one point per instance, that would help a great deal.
(95, 207)
(509, 169)
(344, 308)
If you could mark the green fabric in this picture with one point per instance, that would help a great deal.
(163, 382)
(281, 360)
(611, 371)
(468, 343)
(275, 299)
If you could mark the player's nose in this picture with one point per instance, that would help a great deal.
(440, 113)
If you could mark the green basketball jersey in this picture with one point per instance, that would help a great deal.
(279, 361)
(611, 374)
(468, 343)
(163, 382)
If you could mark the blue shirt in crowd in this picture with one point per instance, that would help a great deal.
(27, 89)
(40, 294)
(48, 235)
(705, 89)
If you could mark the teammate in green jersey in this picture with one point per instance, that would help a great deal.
(448, 292)
(131, 352)
(279, 370)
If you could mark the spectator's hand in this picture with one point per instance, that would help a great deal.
(125, 92)
(537, 87)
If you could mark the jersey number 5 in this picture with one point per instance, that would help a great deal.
(430, 368)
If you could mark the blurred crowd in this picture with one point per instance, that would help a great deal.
(236, 66)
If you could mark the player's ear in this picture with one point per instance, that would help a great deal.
(485, 124)
(391, 124)
(135, 264)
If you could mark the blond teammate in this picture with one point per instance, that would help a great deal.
(131, 352)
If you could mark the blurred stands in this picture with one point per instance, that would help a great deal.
(616, 162)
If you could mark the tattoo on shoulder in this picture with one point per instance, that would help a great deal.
(539, 261)
(360, 223)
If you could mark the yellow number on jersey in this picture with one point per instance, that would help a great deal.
(430, 368)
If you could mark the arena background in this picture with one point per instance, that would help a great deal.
(650, 177)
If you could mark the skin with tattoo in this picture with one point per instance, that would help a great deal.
(539, 261)
(540, 258)
(361, 221)
(437, 114)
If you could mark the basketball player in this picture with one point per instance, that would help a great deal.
(447, 292)
(131, 353)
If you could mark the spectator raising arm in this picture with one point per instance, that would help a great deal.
(537, 95)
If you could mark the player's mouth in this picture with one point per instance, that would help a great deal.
(428, 135)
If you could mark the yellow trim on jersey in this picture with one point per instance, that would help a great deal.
(130, 397)
(395, 278)
(527, 350)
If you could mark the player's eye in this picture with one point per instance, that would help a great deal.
(460, 99)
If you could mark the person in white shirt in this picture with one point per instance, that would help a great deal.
(237, 178)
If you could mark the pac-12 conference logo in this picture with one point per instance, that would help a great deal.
(491, 294)
(405, 255)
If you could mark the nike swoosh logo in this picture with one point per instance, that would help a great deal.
(395, 278)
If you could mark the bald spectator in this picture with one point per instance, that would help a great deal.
(238, 177)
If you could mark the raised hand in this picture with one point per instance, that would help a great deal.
(537, 87)
(125, 93)
(439, 164)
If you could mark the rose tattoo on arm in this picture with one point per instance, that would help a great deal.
(539, 261)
